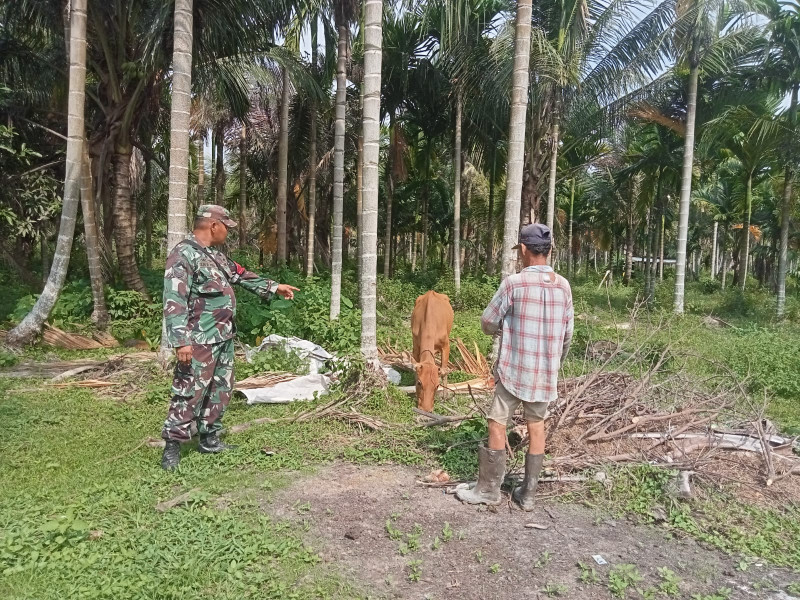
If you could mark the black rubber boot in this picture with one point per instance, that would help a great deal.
(491, 471)
(524, 494)
(211, 444)
(172, 455)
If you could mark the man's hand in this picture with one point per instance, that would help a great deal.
(286, 291)
(184, 354)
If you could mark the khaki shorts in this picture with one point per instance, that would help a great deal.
(505, 404)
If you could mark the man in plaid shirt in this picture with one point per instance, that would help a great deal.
(533, 313)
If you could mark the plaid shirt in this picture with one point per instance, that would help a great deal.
(533, 312)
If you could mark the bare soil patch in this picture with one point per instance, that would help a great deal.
(491, 554)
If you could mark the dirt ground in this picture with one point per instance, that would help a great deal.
(491, 554)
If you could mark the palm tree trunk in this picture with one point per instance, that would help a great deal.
(213, 166)
(714, 250)
(283, 165)
(786, 213)
(387, 256)
(179, 125)
(312, 157)
(744, 254)
(148, 213)
(219, 181)
(92, 237)
(725, 259)
(457, 196)
(551, 189)
(686, 190)
(31, 325)
(570, 257)
(243, 188)
(490, 219)
(359, 197)
(371, 125)
(516, 135)
(338, 171)
(626, 278)
(125, 220)
(425, 195)
(661, 246)
(201, 172)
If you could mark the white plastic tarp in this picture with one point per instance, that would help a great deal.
(314, 353)
(302, 388)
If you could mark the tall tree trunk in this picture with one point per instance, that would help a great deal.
(744, 253)
(31, 325)
(201, 172)
(219, 181)
(725, 258)
(360, 196)
(570, 257)
(338, 170)
(45, 255)
(686, 189)
(516, 134)
(551, 188)
(148, 213)
(125, 219)
(626, 278)
(714, 250)
(387, 256)
(179, 122)
(213, 178)
(786, 213)
(283, 165)
(490, 219)
(312, 157)
(371, 119)
(92, 236)
(425, 196)
(457, 196)
(243, 188)
(661, 246)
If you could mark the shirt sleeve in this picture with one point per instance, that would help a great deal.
(178, 278)
(569, 321)
(492, 317)
(253, 283)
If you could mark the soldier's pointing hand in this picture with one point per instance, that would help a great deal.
(286, 291)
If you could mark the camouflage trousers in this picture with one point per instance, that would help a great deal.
(201, 391)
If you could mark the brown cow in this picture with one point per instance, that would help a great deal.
(431, 322)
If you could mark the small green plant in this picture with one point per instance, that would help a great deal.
(543, 560)
(479, 555)
(394, 534)
(403, 549)
(495, 568)
(588, 574)
(412, 538)
(437, 543)
(793, 588)
(720, 594)
(555, 589)
(621, 577)
(415, 570)
(670, 582)
(447, 532)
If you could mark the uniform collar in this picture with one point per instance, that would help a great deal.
(539, 268)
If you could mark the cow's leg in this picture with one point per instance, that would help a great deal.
(445, 360)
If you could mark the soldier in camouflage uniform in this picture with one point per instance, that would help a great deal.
(199, 310)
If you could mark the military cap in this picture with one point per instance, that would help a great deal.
(215, 211)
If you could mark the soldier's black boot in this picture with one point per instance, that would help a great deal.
(211, 444)
(172, 455)
(524, 494)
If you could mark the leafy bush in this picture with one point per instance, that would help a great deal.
(273, 359)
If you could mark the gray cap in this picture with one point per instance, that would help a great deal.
(534, 234)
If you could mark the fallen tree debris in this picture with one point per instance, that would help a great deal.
(176, 501)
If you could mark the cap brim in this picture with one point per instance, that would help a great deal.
(229, 223)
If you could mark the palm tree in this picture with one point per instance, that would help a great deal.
(312, 155)
(372, 98)
(706, 33)
(516, 134)
(179, 126)
(338, 161)
(32, 324)
(283, 165)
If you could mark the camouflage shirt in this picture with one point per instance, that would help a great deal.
(199, 303)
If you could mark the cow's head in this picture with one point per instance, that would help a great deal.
(427, 383)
